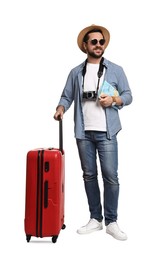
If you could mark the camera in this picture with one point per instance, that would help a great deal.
(90, 95)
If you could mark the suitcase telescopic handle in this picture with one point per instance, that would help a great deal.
(61, 135)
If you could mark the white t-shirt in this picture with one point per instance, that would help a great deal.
(93, 112)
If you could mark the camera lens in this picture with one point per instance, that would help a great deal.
(90, 95)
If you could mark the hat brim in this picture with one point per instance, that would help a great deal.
(82, 33)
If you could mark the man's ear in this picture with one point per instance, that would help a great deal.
(84, 46)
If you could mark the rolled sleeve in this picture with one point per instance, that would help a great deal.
(124, 89)
(67, 96)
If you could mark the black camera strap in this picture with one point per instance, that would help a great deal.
(99, 73)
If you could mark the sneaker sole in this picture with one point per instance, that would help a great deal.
(118, 238)
(89, 231)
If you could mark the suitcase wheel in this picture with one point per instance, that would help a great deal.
(54, 239)
(64, 226)
(28, 238)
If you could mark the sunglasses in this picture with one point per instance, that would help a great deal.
(95, 41)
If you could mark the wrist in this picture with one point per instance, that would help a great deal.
(60, 108)
(113, 101)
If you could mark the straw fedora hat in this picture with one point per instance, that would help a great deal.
(82, 33)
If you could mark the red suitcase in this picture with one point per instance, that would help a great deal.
(44, 205)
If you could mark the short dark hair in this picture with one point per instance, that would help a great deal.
(85, 38)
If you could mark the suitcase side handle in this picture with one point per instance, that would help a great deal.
(45, 194)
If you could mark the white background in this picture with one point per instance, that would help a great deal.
(37, 50)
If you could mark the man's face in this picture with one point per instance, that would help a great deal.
(95, 45)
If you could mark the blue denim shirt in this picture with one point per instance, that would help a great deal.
(72, 91)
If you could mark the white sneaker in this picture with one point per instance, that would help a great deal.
(113, 230)
(92, 225)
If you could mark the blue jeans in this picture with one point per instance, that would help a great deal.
(97, 143)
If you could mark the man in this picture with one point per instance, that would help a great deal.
(99, 88)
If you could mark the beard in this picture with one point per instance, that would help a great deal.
(94, 55)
